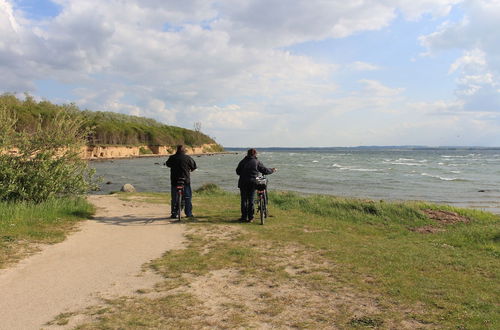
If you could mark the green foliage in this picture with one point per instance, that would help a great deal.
(145, 151)
(213, 148)
(210, 189)
(42, 160)
(108, 128)
(119, 129)
(355, 210)
(46, 222)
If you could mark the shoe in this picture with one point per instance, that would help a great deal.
(242, 219)
(173, 216)
(250, 220)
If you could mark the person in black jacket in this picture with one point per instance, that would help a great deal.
(248, 169)
(181, 166)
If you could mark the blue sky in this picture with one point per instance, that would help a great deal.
(268, 72)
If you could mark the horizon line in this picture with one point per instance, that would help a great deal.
(375, 147)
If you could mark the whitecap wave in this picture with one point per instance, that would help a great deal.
(407, 164)
(351, 168)
(364, 169)
(441, 177)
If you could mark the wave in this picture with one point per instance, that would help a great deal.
(350, 168)
(407, 164)
(442, 178)
(364, 169)
(461, 156)
(452, 165)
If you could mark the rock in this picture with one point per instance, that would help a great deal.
(127, 187)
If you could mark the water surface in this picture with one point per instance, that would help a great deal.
(469, 178)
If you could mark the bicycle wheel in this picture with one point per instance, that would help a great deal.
(262, 210)
(179, 204)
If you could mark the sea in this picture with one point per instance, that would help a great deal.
(464, 177)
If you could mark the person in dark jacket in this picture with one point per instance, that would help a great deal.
(181, 166)
(248, 169)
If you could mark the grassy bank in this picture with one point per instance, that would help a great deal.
(23, 225)
(321, 262)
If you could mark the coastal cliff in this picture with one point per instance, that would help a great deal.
(109, 152)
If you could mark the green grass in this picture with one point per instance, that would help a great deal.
(23, 224)
(454, 272)
(331, 256)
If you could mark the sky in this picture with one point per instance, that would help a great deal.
(262, 73)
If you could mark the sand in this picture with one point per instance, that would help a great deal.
(103, 259)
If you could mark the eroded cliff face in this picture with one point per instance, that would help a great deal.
(105, 152)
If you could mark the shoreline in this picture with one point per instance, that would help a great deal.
(103, 159)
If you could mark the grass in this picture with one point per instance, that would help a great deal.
(24, 224)
(321, 262)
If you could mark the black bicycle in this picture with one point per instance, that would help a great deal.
(262, 200)
(179, 197)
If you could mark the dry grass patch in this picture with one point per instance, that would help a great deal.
(446, 217)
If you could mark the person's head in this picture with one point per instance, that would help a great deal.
(181, 149)
(251, 152)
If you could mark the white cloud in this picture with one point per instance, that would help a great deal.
(221, 62)
(471, 60)
(363, 66)
(372, 87)
(415, 9)
(479, 66)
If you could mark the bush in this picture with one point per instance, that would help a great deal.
(44, 161)
(210, 189)
(145, 151)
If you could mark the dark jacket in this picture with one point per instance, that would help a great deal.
(181, 166)
(248, 169)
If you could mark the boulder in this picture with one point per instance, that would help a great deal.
(127, 187)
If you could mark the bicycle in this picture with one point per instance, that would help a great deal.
(262, 199)
(180, 197)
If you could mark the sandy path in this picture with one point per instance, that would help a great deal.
(102, 259)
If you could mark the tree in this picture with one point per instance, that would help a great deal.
(197, 127)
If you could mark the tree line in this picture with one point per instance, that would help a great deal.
(106, 128)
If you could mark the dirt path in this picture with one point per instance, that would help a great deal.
(102, 259)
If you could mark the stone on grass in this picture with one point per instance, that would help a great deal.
(127, 187)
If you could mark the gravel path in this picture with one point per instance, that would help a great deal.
(102, 259)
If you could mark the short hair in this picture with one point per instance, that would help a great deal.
(181, 148)
(251, 152)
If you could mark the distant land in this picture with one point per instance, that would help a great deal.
(405, 147)
(108, 128)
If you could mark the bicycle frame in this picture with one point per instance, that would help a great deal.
(261, 202)
(180, 198)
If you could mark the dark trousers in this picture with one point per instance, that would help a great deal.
(247, 200)
(186, 198)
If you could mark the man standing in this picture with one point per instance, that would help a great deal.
(248, 169)
(181, 166)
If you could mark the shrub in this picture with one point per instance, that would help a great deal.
(145, 151)
(46, 162)
(210, 189)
